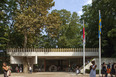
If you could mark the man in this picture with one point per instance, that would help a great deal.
(30, 69)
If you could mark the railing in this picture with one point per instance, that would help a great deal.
(51, 50)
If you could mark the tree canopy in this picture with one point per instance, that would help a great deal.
(108, 16)
(29, 24)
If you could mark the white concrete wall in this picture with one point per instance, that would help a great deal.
(16, 60)
(106, 60)
(52, 54)
(19, 60)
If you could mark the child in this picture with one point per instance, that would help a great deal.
(9, 71)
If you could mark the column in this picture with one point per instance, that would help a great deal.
(44, 65)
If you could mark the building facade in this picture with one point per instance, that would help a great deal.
(50, 59)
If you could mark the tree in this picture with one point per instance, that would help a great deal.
(31, 17)
(73, 33)
(3, 25)
(91, 17)
(69, 33)
(30, 20)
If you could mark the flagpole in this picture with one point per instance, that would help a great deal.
(83, 52)
(99, 52)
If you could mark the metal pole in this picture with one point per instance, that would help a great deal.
(99, 53)
(83, 53)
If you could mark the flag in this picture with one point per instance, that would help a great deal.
(83, 33)
(83, 48)
(99, 35)
(100, 25)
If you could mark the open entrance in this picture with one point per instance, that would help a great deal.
(62, 64)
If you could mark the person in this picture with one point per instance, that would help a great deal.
(20, 69)
(5, 69)
(77, 70)
(104, 69)
(108, 69)
(69, 68)
(9, 71)
(30, 69)
(115, 69)
(16, 69)
(112, 70)
(93, 69)
(59, 68)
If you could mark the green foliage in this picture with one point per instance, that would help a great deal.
(108, 15)
(32, 17)
(3, 25)
(69, 33)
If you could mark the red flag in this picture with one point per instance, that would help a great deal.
(83, 34)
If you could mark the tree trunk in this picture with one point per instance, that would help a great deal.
(25, 40)
(25, 62)
(25, 65)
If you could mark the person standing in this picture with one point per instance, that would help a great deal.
(104, 70)
(93, 69)
(5, 69)
(115, 69)
(9, 71)
(108, 69)
(30, 69)
(112, 70)
(20, 69)
(16, 69)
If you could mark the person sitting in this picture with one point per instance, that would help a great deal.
(77, 70)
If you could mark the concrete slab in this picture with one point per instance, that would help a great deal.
(49, 74)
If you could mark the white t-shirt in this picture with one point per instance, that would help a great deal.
(30, 68)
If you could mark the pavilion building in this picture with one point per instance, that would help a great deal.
(50, 59)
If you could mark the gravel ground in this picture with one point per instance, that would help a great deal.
(48, 74)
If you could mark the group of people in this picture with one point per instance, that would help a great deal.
(18, 69)
(7, 70)
(108, 69)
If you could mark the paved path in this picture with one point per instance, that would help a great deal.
(48, 74)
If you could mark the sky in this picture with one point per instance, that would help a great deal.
(71, 5)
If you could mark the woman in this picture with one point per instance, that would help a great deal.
(5, 69)
(93, 69)
(8, 71)
(104, 70)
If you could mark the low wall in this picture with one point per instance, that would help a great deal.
(106, 60)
